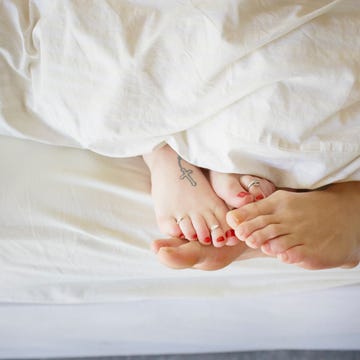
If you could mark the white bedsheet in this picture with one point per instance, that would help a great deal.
(262, 87)
(75, 228)
(314, 320)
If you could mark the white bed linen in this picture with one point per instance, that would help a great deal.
(75, 227)
(274, 85)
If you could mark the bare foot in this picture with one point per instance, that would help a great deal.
(235, 191)
(314, 230)
(182, 254)
(185, 203)
(239, 190)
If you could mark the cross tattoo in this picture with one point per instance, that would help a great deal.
(186, 173)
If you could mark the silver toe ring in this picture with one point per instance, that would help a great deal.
(180, 219)
(253, 183)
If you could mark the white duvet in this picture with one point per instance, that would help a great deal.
(263, 87)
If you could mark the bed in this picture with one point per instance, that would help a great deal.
(77, 276)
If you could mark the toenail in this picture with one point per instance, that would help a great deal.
(230, 233)
(220, 239)
(194, 237)
(259, 197)
(242, 194)
(207, 240)
(182, 236)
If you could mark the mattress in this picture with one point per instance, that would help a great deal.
(313, 320)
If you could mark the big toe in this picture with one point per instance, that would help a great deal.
(229, 188)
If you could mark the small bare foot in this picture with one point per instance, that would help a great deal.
(181, 254)
(234, 189)
(314, 230)
(239, 190)
(185, 203)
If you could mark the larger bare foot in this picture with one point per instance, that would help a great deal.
(314, 230)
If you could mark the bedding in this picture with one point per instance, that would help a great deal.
(273, 85)
(77, 277)
(87, 87)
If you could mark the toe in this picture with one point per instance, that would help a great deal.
(187, 228)
(231, 239)
(303, 257)
(252, 227)
(228, 188)
(227, 236)
(260, 237)
(216, 230)
(168, 226)
(201, 228)
(156, 245)
(279, 245)
(294, 255)
(179, 257)
(259, 188)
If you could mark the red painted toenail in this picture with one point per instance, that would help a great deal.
(230, 233)
(220, 239)
(194, 237)
(182, 236)
(207, 240)
(242, 194)
(259, 197)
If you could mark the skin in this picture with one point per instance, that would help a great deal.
(181, 254)
(182, 191)
(313, 230)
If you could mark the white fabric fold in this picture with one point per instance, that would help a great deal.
(267, 88)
